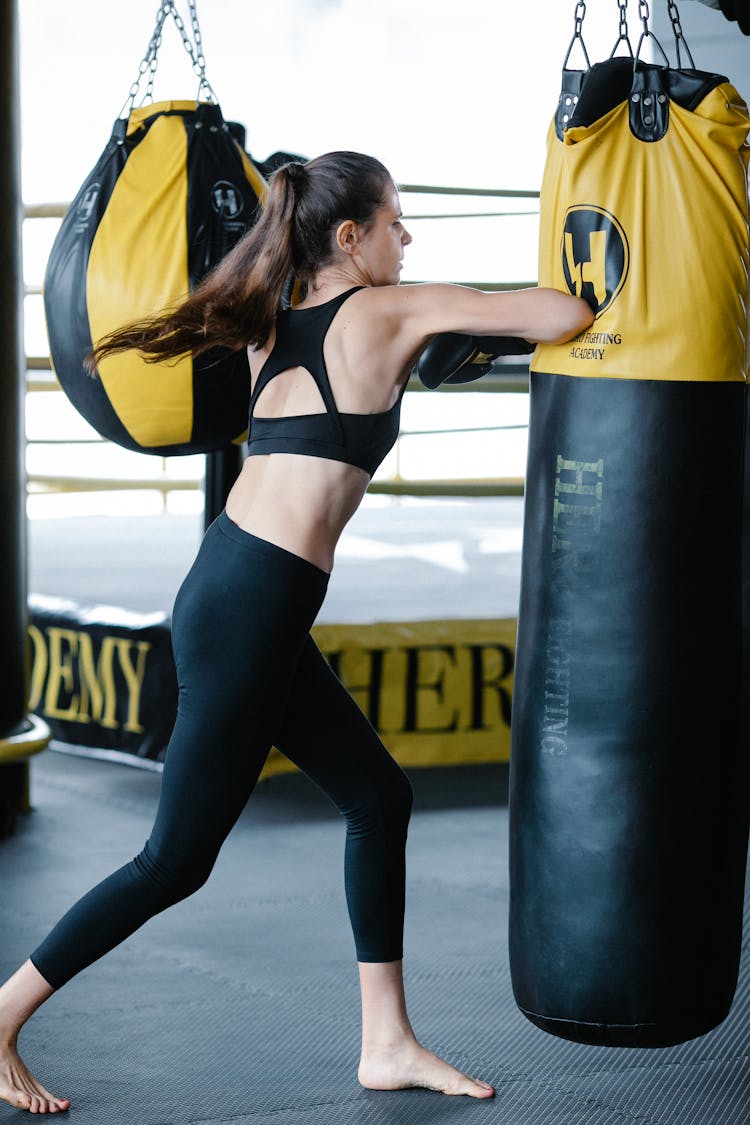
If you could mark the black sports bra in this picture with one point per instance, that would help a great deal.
(357, 439)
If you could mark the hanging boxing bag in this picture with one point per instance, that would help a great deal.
(629, 781)
(170, 195)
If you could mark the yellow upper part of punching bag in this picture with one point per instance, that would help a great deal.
(139, 264)
(130, 232)
(666, 243)
(140, 116)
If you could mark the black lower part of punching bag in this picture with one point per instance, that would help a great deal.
(628, 802)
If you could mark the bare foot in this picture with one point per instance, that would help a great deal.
(408, 1064)
(19, 1087)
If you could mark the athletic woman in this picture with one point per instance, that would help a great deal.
(327, 381)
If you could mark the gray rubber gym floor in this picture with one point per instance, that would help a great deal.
(241, 1004)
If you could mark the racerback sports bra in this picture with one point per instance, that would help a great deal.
(357, 439)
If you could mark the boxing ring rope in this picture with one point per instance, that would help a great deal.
(510, 376)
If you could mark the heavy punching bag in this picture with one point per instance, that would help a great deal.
(629, 779)
(170, 195)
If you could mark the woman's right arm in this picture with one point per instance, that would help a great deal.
(544, 316)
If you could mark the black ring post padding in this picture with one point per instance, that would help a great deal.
(628, 788)
(222, 469)
(13, 592)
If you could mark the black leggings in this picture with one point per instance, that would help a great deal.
(250, 676)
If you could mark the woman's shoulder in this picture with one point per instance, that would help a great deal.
(399, 300)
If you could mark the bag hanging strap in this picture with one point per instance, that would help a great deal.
(623, 35)
(579, 15)
(149, 62)
(572, 80)
(679, 38)
(644, 15)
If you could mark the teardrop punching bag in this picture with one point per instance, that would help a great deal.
(629, 779)
(171, 194)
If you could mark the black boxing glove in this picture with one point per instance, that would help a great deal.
(451, 357)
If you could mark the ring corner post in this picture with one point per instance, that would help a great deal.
(20, 735)
(222, 469)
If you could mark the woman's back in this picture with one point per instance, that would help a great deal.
(326, 394)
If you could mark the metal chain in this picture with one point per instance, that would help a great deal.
(149, 62)
(644, 14)
(623, 34)
(194, 49)
(197, 37)
(154, 51)
(579, 16)
(679, 37)
(674, 15)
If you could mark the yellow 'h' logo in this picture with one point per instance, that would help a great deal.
(594, 270)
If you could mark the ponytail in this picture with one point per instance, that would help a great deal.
(237, 302)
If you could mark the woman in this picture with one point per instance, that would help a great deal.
(327, 380)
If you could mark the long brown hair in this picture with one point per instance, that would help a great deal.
(236, 303)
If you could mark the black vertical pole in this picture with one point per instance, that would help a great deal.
(20, 735)
(12, 376)
(222, 470)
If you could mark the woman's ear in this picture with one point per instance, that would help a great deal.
(347, 236)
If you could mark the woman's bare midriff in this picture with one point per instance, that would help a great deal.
(299, 503)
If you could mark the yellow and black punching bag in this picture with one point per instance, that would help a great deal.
(170, 195)
(629, 763)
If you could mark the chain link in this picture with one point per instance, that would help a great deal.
(623, 33)
(197, 37)
(679, 37)
(199, 69)
(147, 62)
(154, 46)
(193, 48)
(579, 16)
(644, 14)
